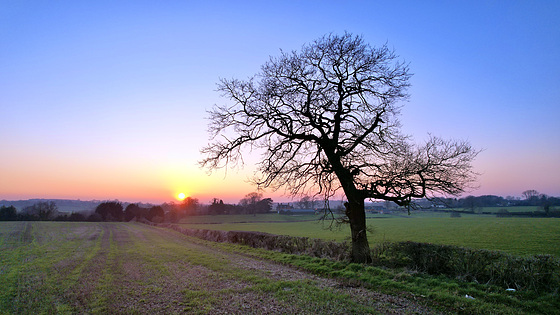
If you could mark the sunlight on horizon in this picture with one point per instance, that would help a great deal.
(181, 196)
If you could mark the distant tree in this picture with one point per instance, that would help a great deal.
(216, 207)
(132, 211)
(77, 217)
(171, 216)
(94, 217)
(491, 201)
(8, 213)
(325, 119)
(471, 203)
(265, 205)
(168, 206)
(249, 203)
(110, 211)
(512, 200)
(554, 201)
(531, 197)
(545, 203)
(156, 212)
(447, 202)
(254, 203)
(43, 210)
(173, 211)
(60, 217)
(528, 194)
(191, 205)
(306, 202)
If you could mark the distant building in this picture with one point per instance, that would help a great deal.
(284, 207)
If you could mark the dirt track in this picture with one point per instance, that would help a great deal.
(234, 295)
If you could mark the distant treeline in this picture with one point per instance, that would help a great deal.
(253, 203)
(530, 198)
(40, 211)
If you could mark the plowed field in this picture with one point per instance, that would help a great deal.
(128, 268)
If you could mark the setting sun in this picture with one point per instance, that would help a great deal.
(181, 196)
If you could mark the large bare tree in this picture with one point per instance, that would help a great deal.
(325, 120)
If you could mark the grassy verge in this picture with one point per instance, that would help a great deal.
(446, 294)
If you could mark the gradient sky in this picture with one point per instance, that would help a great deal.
(108, 99)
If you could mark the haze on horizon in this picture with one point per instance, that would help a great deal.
(107, 100)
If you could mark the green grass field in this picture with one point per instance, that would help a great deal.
(510, 209)
(520, 236)
(246, 218)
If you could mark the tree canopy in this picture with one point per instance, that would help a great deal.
(254, 203)
(325, 120)
(110, 211)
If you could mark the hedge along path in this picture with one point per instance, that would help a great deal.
(135, 268)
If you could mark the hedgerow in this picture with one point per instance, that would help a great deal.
(537, 273)
(283, 243)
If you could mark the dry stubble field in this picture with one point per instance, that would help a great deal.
(127, 268)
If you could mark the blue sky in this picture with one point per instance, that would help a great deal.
(107, 99)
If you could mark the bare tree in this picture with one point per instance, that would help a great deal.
(250, 201)
(42, 210)
(325, 120)
(306, 202)
(254, 203)
(190, 205)
(532, 196)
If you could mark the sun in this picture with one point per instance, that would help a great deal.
(181, 196)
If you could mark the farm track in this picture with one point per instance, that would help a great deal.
(124, 268)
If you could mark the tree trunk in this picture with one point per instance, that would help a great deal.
(355, 210)
(356, 214)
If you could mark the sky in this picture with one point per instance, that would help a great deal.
(108, 99)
